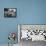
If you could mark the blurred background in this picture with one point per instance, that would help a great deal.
(28, 12)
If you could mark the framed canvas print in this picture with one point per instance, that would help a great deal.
(10, 12)
(32, 32)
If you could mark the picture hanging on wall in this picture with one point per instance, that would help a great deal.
(10, 12)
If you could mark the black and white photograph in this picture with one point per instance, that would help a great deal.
(10, 12)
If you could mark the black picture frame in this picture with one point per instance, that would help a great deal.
(10, 12)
